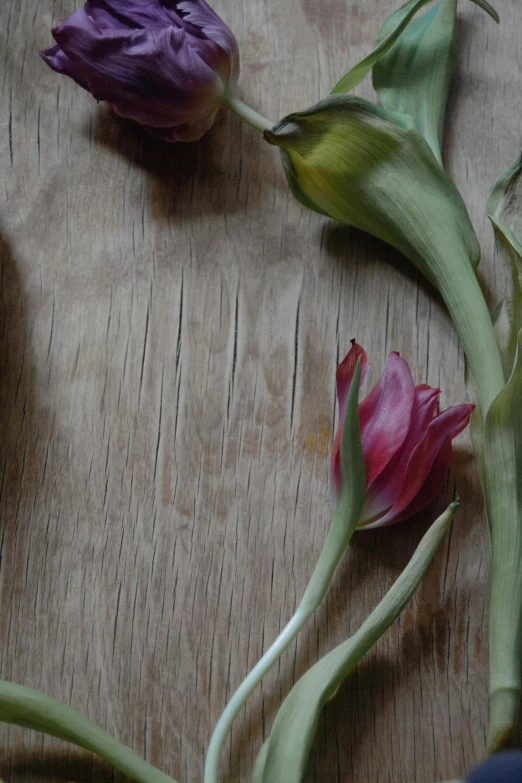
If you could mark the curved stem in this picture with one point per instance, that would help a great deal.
(336, 542)
(244, 112)
(245, 689)
(499, 458)
(460, 289)
(468, 310)
(34, 710)
(470, 314)
(498, 454)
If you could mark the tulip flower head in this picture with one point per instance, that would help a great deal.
(164, 63)
(406, 441)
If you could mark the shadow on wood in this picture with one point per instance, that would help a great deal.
(67, 765)
(219, 173)
(23, 424)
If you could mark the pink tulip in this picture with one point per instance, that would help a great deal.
(406, 441)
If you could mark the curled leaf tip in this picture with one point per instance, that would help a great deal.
(454, 507)
(488, 9)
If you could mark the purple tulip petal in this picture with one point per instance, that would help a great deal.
(59, 62)
(113, 14)
(152, 76)
(201, 15)
(385, 416)
(163, 63)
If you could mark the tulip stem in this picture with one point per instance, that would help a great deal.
(339, 535)
(460, 289)
(244, 112)
(504, 706)
(34, 710)
(496, 461)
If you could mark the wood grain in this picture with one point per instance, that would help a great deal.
(171, 320)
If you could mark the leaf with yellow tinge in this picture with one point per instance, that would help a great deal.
(364, 165)
(369, 167)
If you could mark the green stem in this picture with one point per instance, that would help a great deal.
(345, 520)
(503, 469)
(334, 546)
(284, 756)
(244, 112)
(34, 710)
(505, 624)
(465, 301)
(468, 310)
(504, 707)
(497, 460)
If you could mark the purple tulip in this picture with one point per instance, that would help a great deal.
(164, 63)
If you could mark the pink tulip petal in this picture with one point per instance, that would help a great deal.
(345, 373)
(433, 484)
(343, 378)
(444, 427)
(385, 489)
(430, 489)
(385, 416)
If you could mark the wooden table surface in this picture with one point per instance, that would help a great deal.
(171, 320)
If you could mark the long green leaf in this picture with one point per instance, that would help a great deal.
(477, 422)
(488, 9)
(353, 472)
(283, 757)
(390, 32)
(414, 74)
(476, 429)
(401, 18)
(503, 460)
(344, 523)
(414, 77)
(498, 447)
(34, 710)
(504, 209)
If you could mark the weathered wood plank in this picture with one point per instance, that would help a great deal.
(171, 320)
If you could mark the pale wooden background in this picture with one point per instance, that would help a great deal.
(170, 322)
